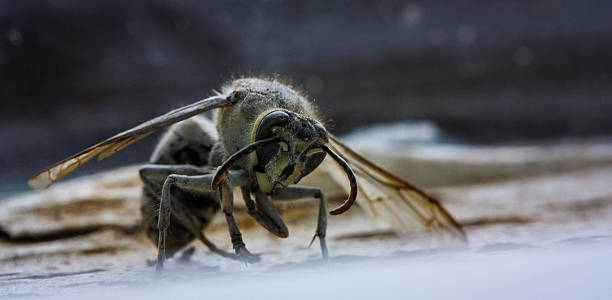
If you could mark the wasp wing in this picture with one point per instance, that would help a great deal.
(389, 198)
(110, 146)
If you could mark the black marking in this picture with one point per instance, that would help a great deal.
(287, 171)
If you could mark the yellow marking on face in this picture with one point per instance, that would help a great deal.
(263, 181)
(313, 151)
(297, 173)
(276, 166)
(254, 159)
(284, 147)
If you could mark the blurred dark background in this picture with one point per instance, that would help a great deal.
(75, 72)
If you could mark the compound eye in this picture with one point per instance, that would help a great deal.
(266, 130)
(277, 118)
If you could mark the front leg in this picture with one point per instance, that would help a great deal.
(297, 192)
(197, 183)
(153, 176)
(265, 213)
(227, 205)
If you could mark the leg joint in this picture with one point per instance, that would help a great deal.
(143, 172)
(173, 178)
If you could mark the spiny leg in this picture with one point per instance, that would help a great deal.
(193, 224)
(265, 213)
(295, 193)
(227, 205)
(200, 184)
(153, 177)
(163, 221)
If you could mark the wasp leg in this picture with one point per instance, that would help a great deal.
(193, 224)
(227, 205)
(187, 254)
(297, 192)
(265, 213)
(199, 184)
(163, 222)
(152, 175)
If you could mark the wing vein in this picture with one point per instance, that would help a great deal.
(123, 139)
(415, 204)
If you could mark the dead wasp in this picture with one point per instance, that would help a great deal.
(266, 139)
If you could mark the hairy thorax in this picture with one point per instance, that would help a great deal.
(235, 124)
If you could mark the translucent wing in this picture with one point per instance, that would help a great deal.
(394, 200)
(110, 146)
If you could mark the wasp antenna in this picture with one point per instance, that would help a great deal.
(351, 177)
(222, 171)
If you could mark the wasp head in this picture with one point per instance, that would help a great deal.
(287, 146)
(297, 153)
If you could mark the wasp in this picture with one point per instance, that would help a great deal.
(264, 139)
